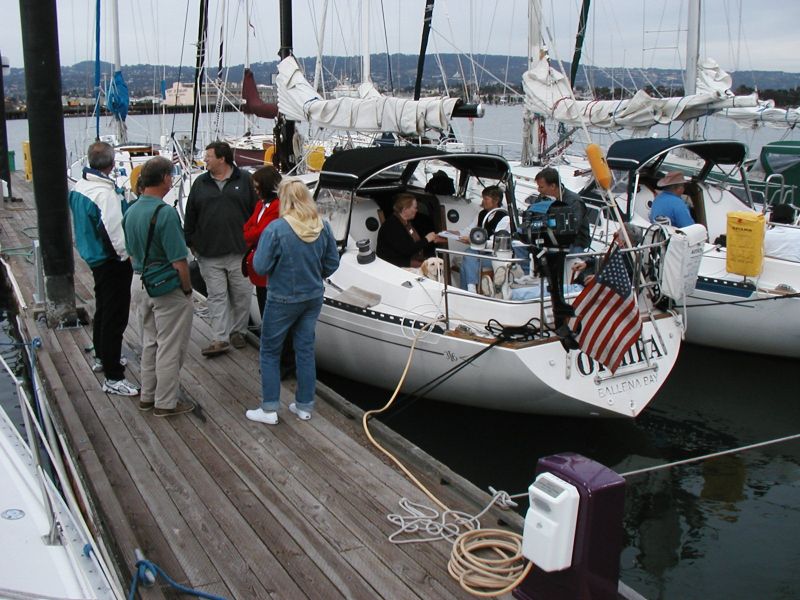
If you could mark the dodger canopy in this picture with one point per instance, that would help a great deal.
(352, 169)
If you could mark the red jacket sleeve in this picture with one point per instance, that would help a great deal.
(254, 226)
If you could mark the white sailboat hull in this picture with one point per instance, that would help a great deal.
(372, 346)
(724, 312)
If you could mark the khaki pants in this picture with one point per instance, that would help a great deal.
(166, 326)
(229, 294)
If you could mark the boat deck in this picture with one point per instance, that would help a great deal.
(221, 504)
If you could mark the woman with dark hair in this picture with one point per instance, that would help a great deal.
(265, 181)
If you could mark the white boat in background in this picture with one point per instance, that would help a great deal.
(755, 314)
(47, 551)
(758, 314)
(374, 311)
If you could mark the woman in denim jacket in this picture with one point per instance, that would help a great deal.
(296, 251)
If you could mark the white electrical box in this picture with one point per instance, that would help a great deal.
(549, 534)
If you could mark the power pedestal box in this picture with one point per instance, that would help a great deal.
(592, 573)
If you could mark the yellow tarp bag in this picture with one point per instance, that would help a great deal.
(745, 244)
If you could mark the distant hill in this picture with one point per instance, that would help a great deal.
(144, 80)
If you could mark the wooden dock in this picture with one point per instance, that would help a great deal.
(231, 507)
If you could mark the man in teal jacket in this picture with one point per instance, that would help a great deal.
(97, 208)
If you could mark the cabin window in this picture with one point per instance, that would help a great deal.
(334, 207)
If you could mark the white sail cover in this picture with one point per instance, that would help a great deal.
(547, 93)
(764, 114)
(298, 101)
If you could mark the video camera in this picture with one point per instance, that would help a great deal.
(551, 223)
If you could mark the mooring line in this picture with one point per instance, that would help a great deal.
(712, 455)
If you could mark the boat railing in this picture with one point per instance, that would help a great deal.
(508, 261)
(776, 191)
(49, 454)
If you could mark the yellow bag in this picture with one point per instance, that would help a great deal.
(745, 243)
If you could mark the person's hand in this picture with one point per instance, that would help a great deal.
(578, 266)
(431, 237)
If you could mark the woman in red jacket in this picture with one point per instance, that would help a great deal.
(265, 181)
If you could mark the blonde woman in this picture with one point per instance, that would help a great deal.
(296, 251)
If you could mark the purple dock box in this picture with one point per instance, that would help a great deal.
(594, 573)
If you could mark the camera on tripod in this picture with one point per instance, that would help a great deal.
(550, 223)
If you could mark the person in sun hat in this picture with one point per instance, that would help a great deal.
(669, 204)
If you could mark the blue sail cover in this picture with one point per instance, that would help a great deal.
(117, 98)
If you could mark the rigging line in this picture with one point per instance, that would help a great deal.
(180, 65)
(788, 438)
(794, 295)
(504, 334)
(388, 54)
(412, 397)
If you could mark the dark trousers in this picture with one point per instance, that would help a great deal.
(112, 293)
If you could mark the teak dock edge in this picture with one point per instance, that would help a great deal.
(234, 508)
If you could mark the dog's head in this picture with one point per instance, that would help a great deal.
(433, 268)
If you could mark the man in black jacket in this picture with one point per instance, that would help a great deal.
(219, 204)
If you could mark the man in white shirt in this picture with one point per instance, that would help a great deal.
(782, 242)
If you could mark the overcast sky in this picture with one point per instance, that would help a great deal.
(739, 34)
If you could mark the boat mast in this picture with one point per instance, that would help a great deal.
(115, 96)
(531, 122)
(692, 56)
(423, 48)
(202, 33)
(97, 72)
(576, 57)
(365, 58)
(284, 128)
(319, 82)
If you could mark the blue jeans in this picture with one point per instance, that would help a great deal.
(278, 319)
(471, 266)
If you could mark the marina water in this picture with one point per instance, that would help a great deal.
(723, 528)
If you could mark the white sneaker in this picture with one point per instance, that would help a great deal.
(262, 416)
(303, 415)
(122, 387)
(97, 367)
(487, 286)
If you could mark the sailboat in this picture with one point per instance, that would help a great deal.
(757, 312)
(128, 156)
(479, 349)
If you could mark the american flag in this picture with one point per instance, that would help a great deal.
(608, 314)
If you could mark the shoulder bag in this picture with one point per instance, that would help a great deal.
(158, 279)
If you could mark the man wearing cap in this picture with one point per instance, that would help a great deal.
(669, 204)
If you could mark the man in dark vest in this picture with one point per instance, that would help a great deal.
(492, 218)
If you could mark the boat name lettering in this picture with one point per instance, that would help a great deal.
(619, 387)
(637, 353)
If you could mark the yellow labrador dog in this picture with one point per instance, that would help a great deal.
(432, 268)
